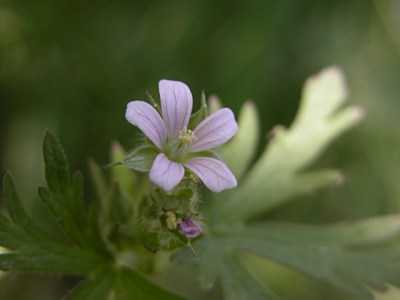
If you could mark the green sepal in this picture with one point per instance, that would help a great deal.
(126, 179)
(141, 159)
(155, 103)
(199, 115)
(179, 202)
(99, 182)
(185, 197)
(151, 241)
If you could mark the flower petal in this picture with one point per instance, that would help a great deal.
(147, 119)
(166, 173)
(176, 105)
(214, 130)
(214, 173)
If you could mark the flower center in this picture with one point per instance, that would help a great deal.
(186, 136)
(177, 148)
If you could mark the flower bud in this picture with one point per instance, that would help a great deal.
(190, 228)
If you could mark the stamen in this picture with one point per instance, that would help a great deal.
(186, 136)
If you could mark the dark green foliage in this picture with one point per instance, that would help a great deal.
(118, 283)
(35, 249)
(81, 248)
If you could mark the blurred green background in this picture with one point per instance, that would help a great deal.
(72, 66)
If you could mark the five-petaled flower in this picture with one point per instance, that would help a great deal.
(175, 141)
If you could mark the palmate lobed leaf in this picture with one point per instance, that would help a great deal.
(244, 143)
(97, 286)
(238, 283)
(217, 260)
(81, 250)
(332, 254)
(340, 255)
(64, 196)
(345, 268)
(280, 172)
(34, 249)
(118, 284)
(45, 263)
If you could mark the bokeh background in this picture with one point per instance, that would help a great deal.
(72, 66)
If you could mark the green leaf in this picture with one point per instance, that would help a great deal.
(244, 144)
(98, 286)
(140, 159)
(45, 263)
(64, 196)
(119, 284)
(209, 259)
(119, 210)
(20, 218)
(57, 168)
(76, 202)
(279, 172)
(14, 206)
(353, 257)
(348, 270)
(239, 284)
(34, 249)
(139, 287)
(217, 260)
(350, 233)
(280, 187)
(12, 236)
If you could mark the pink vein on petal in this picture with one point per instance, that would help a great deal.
(166, 173)
(147, 119)
(215, 130)
(176, 104)
(214, 173)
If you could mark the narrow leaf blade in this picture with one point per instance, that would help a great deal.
(98, 286)
(44, 263)
(57, 168)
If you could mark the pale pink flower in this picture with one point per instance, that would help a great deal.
(175, 141)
